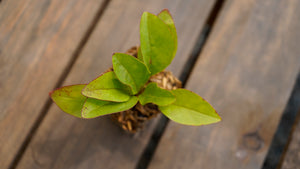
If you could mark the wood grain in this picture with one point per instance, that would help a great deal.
(66, 142)
(37, 42)
(247, 71)
(292, 156)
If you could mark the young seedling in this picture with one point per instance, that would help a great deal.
(128, 85)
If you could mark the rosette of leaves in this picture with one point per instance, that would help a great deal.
(125, 86)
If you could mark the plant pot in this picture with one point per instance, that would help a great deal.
(135, 118)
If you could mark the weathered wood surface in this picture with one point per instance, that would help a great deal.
(292, 156)
(37, 41)
(247, 71)
(63, 141)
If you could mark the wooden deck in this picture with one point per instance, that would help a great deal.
(242, 56)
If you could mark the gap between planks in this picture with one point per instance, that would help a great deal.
(60, 81)
(284, 131)
(148, 152)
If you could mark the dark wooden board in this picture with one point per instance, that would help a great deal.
(63, 141)
(247, 71)
(37, 41)
(292, 157)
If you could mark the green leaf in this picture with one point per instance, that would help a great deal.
(139, 55)
(157, 43)
(69, 99)
(165, 15)
(93, 108)
(130, 71)
(156, 95)
(107, 87)
(190, 109)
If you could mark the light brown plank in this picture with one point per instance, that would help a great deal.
(247, 71)
(37, 41)
(66, 142)
(292, 157)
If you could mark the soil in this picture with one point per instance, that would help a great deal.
(135, 118)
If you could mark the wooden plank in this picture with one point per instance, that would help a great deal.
(292, 156)
(283, 134)
(247, 71)
(66, 142)
(37, 42)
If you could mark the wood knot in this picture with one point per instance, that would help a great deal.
(253, 141)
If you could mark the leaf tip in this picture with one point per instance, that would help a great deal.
(219, 117)
(165, 10)
(145, 13)
(50, 93)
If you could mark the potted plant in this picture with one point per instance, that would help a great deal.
(137, 87)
